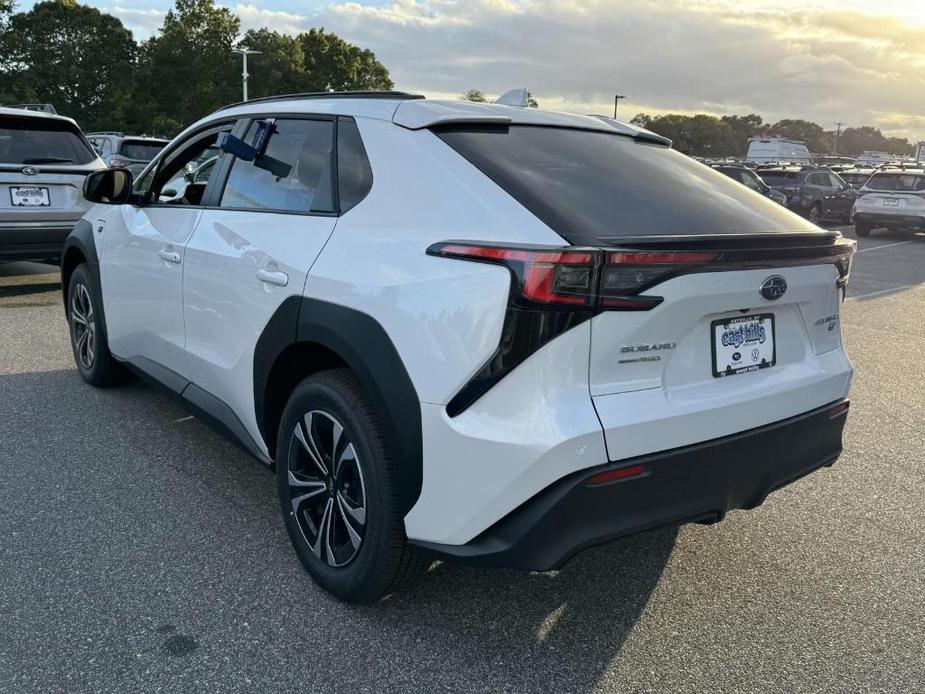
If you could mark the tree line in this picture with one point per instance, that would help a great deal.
(708, 136)
(89, 66)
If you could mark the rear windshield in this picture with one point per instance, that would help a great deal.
(140, 149)
(896, 182)
(37, 141)
(778, 178)
(593, 187)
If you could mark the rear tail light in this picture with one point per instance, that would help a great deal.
(577, 278)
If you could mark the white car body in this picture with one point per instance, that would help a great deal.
(892, 198)
(189, 293)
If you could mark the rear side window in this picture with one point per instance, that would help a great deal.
(354, 177)
(594, 187)
(897, 182)
(135, 149)
(780, 178)
(299, 149)
(40, 141)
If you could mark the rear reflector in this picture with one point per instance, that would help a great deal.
(839, 409)
(613, 475)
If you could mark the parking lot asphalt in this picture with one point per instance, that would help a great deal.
(141, 552)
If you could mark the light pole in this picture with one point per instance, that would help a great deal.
(837, 125)
(244, 52)
(616, 100)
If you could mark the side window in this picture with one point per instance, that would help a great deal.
(354, 176)
(835, 181)
(173, 181)
(299, 149)
(749, 180)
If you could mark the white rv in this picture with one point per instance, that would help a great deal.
(763, 150)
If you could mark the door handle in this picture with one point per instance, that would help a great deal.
(276, 277)
(169, 256)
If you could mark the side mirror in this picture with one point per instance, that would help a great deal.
(108, 187)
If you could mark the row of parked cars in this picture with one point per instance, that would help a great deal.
(891, 196)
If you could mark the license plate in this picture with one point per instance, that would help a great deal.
(31, 196)
(743, 344)
(891, 202)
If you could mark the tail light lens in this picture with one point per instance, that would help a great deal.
(577, 278)
(545, 277)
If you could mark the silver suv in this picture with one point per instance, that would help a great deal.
(893, 199)
(43, 161)
(132, 152)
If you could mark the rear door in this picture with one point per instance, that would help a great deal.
(252, 251)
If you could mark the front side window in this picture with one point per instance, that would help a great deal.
(172, 180)
(292, 174)
(42, 141)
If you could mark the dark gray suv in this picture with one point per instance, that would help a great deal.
(814, 192)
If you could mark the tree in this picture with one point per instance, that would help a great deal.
(188, 70)
(73, 56)
(313, 61)
(853, 141)
(700, 135)
(743, 127)
(333, 64)
(476, 95)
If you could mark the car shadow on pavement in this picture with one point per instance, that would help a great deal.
(526, 628)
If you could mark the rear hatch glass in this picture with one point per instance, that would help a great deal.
(779, 178)
(897, 182)
(144, 150)
(595, 188)
(39, 141)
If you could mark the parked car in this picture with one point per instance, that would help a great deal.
(856, 177)
(893, 200)
(43, 162)
(816, 193)
(132, 152)
(41, 108)
(470, 331)
(764, 150)
(749, 178)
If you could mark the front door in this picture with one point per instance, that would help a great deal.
(141, 266)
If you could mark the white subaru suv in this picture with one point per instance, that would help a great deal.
(475, 332)
(893, 199)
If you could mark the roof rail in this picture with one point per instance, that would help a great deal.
(361, 94)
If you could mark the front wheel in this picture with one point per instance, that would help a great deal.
(95, 363)
(815, 214)
(338, 490)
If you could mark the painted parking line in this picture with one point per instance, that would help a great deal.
(879, 292)
(886, 245)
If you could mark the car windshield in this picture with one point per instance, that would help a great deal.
(897, 182)
(41, 141)
(595, 187)
(778, 178)
(140, 149)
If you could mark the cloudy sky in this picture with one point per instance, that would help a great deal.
(857, 61)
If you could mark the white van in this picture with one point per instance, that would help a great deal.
(763, 150)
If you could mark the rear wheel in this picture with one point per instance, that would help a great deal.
(338, 491)
(95, 363)
(862, 229)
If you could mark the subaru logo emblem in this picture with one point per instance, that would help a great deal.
(29, 171)
(773, 287)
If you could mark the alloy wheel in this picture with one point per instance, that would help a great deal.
(83, 326)
(326, 488)
(814, 215)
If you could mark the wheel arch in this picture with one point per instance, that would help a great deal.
(306, 336)
(80, 247)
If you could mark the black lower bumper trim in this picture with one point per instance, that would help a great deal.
(695, 483)
(896, 221)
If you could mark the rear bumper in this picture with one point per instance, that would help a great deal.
(33, 241)
(904, 221)
(694, 483)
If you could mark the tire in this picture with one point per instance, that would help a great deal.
(94, 361)
(815, 214)
(360, 493)
(862, 229)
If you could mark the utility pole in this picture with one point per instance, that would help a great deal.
(616, 100)
(244, 52)
(837, 125)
